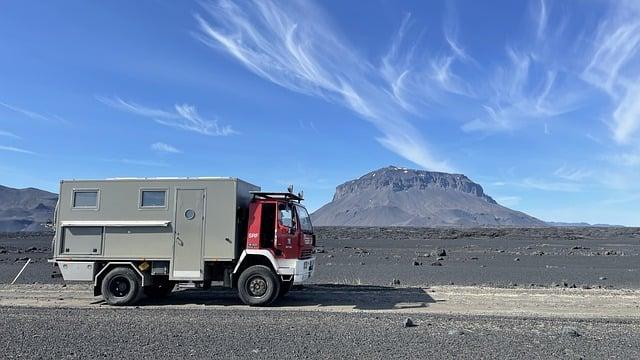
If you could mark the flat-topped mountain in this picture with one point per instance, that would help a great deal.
(25, 209)
(394, 196)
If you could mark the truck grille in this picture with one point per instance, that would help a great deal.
(306, 253)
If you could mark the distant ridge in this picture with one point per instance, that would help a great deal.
(395, 196)
(25, 209)
(579, 224)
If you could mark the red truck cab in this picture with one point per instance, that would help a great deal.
(279, 223)
(280, 235)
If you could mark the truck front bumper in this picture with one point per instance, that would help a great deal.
(301, 269)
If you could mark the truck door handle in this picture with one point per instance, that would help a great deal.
(179, 241)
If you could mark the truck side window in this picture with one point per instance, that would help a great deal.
(286, 215)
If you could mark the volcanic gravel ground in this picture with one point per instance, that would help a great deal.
(539, 257)
(160, 333)
(16, 248)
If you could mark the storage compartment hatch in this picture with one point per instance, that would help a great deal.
(82, 240)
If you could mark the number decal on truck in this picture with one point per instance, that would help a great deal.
(253, 235)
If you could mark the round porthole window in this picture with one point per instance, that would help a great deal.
(189, 214)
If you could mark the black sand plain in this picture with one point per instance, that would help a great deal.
(507, 257)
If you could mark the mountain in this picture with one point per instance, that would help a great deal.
(394, 196)
(25, 209)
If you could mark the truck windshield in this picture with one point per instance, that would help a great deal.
(305, 220)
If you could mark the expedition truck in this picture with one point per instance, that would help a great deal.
(144, 235)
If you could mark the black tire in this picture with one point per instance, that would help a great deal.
(161, 287)
(121, 286)
(284, 289)
(258, 285)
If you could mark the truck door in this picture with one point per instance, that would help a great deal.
(187, 261)
(286, 230)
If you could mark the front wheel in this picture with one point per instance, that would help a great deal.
(258, 286)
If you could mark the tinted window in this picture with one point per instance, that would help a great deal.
(85, 199)
(153, 198)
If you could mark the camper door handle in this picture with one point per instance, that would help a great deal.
(179, 241)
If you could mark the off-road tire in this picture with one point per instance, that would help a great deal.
(258, 285)
(121, 287)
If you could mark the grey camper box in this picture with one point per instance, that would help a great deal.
(148, 220)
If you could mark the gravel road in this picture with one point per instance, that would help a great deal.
(234, 334)
(324, 321)
(449, 300)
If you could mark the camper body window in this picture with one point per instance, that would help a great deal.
(153, 199)
(85, 199)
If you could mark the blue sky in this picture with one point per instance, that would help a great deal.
(537, 101)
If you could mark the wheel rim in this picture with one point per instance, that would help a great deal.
(257, 286)
(119, 286)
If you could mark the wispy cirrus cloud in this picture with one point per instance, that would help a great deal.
(613, 67)
(521, 90)
(533, 183)
(9, 134)
(293, 45)
(530, 84)
(572, 174)
(450, 35)
(630, 158)
(25, 112)
(542, 19)
(16, 150)
(32, 114)
(546, 185)
(164, 148)
(417, 78)
(183, 116)
(546, 73)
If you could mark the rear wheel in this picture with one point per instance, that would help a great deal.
(121, 286)
(258, 286)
